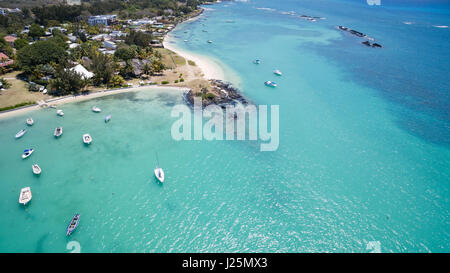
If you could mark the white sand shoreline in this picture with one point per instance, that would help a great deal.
(209, 68)
(68, 99)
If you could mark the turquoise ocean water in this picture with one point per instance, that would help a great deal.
(363, 156)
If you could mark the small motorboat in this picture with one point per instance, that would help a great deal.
(60, 112)
(87, 139)
(270, 84)
(277, 72)
(185, 41)
(210, 42)
(21, 133)
(30, 121)
(257, 61)
(36, 169)
(27, 153)
(159, 173)
(25, 196)
(58, 131)
(107, 118)
(95, 109)
(73, 224)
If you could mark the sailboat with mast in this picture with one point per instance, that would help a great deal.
(159, 173)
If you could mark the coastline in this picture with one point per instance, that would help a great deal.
(69, 99)
(209, 68)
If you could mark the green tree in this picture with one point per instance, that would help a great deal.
(36, 31)
(67, 82)
(19, 43)
(103, 69)
(125, 53)
(41, 52)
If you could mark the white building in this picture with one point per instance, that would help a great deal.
(82, 71)
(102, 20)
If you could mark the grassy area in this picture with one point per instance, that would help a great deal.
(18, 93)
(17, 105)
(170, 59)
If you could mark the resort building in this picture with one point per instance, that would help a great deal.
(102, 20)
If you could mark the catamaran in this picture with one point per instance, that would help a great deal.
(21, 133)
(73, 224)
(25, 196)
(27, 153)
(36, 169)
(159, 173)
(95, 109)
(60, 112)
(107, 118)
(277, 72)
(58, 131)
(270, 84)
(87, 139)
(30, 121)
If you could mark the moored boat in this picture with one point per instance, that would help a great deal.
(159, 173)
(270, 84)
(30, 121)
(27, 153)
(60, 112)
(73, 224)
(36, 169)
(25, 196)
(95, 109)
(277, 72)
(210, 42)
(58, 131)
(87, 139)
(21, 133)
(107, 118)
(257, 61)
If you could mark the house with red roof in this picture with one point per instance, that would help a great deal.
(10, 40)
(5, 60)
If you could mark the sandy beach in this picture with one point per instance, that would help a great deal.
(68, 99)
(209, 68)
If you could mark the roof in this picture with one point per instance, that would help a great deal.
(10, 39)
(83, 71)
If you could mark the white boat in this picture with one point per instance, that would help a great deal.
(25, 196)
(58, 131)
(107, 118)
(256, 61)
(210, 42)
(36, 169)
(21, 133)
(159, 173)
(270, 84)
(60, 113)
(277, 72)
(185, 41)
(30, 121)
(96, 109)
(27, 153)
(87, 138)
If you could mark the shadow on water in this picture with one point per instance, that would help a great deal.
(40, 244)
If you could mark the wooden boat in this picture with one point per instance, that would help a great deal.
(36, 169)
(25, 196)
(30, 121)
(87, 139)
(27, 153)
(73, 224)
(21, 133)
(58, 131)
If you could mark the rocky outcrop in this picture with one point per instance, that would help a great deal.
(220, 93)
(360, 35)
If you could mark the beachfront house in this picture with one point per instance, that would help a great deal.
(85, 74)
(102, 20)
